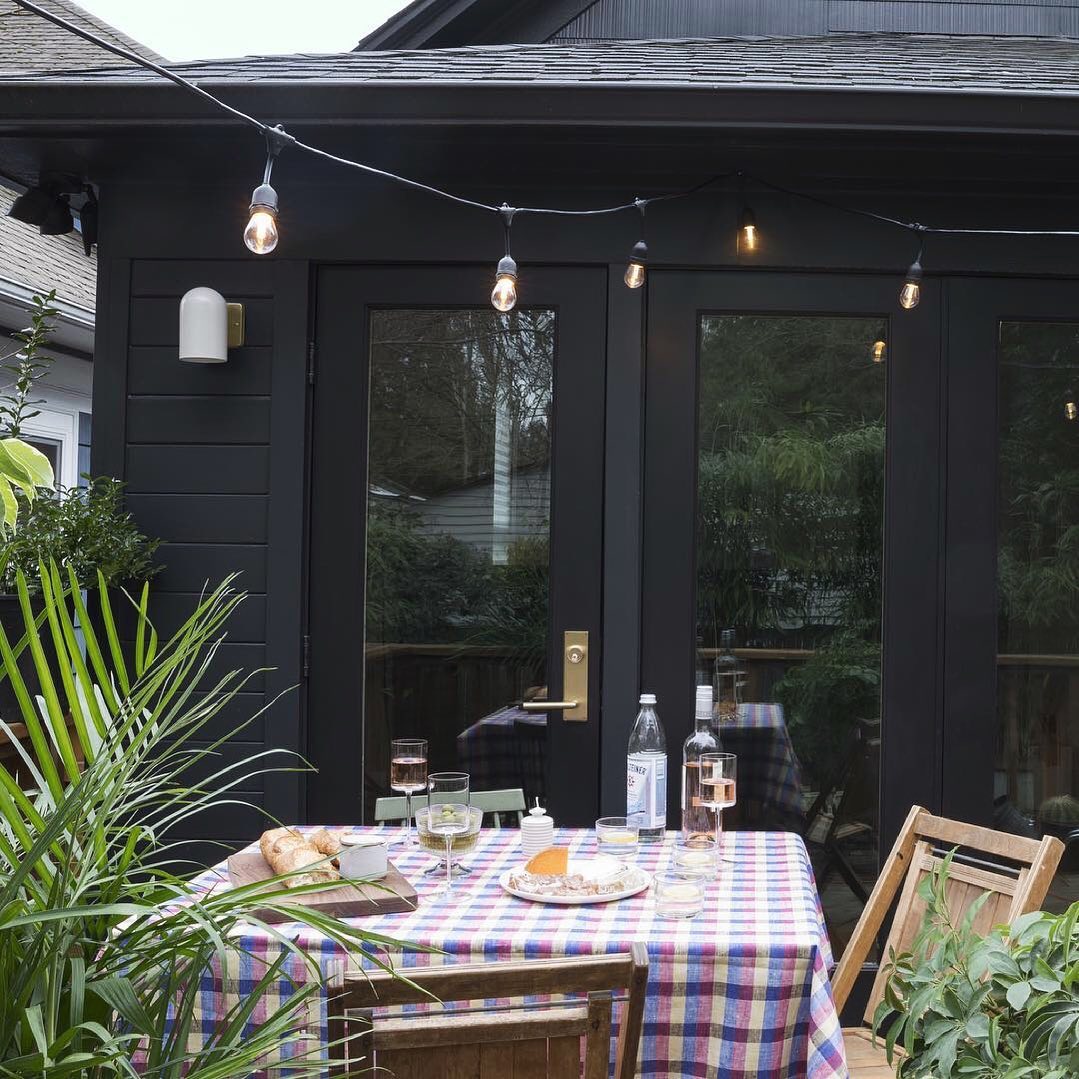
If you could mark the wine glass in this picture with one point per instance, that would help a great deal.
(408, 774)
(448, 804)
(719, 775)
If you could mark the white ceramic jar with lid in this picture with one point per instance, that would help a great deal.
(537, 831)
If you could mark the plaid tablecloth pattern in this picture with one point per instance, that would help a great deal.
(769, 775)
(741, 990)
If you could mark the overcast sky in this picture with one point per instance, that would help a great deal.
(200, 29)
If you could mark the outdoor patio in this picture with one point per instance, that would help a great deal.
(572, 568)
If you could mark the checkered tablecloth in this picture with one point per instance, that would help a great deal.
(769, 776)
(741, 990)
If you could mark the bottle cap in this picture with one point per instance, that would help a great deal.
(704, 693)
(648, 698)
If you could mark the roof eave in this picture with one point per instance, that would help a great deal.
(88, 106)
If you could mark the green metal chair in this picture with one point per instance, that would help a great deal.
(494, 803)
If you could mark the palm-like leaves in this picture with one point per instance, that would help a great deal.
(102, 942)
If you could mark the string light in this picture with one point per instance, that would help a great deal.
(1071, 409)
(638, 257)
(504, 294)
(879, 351)
(261, 234)
(910, 294)
(748, 237)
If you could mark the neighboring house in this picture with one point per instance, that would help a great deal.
(31, 263)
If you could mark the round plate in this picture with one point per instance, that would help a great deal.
(595, 868)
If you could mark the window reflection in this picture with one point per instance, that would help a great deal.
(1037, 757)
(789, 537)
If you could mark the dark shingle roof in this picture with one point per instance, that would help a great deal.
(874, 62)
(31, 43)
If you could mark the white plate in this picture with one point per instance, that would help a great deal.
(596, 867)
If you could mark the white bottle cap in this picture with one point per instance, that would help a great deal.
(648, 698)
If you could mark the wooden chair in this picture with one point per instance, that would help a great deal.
(533, 1041)
(1016, 871)
(494, 803)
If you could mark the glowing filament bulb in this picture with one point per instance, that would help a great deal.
(635, 269)
(748, 237)
(1071, 410)
(911, 291)
(504, 294)
(261, 234)
(879, 350)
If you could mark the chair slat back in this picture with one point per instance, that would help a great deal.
(528, 1041)
(1014, 870)
(494, 803)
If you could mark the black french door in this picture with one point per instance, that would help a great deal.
(456, 533)
(793, 440)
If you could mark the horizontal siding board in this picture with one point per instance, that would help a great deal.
(189, 566)
(245, 658)
(169, 610)
(157, 369)
(201, 518)
(235, 279)
(234, 470)
(195, 420)
(155, 320)
(241, 714)
(237, 756)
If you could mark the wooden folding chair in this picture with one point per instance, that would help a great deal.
(518, 1041)
(1015, 871)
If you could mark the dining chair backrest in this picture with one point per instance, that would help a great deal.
(493, 803)
(1014, 870)
(533, 1040)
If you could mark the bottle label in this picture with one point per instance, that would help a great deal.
(646, 789)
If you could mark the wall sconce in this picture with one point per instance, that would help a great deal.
(209, 326)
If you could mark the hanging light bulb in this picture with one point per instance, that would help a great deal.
(1071, 409)
(911, 292)
(879, 351)
(504, 294)
(638, 257)
(748, 236)
(261, 234)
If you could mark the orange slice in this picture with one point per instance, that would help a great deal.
(552, 861)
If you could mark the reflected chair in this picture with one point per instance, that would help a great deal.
(493, 803)
(545, 1039)
(1015, 871)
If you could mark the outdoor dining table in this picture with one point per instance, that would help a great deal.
(740, 990)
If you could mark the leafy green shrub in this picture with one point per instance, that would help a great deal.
(1004, 1006)
(87, 530)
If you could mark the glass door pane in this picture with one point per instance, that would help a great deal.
(790, 510)
(1036, 775)
(458, 541)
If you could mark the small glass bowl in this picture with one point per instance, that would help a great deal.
(697, 854)
(618, 836)
(679, 895)
(460, 845)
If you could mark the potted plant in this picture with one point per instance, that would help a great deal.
(1003, 1006)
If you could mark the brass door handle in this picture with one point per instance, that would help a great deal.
(548, 706)
(574, 680)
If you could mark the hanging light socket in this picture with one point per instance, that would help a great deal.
(637, 265)
(504, 294)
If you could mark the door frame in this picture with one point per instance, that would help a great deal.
(913, 538)
(344, 298)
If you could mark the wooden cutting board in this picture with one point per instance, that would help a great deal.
(391, 895)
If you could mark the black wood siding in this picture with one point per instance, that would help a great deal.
(193, 444)
(639, 19)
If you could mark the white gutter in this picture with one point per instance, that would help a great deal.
(72, 314)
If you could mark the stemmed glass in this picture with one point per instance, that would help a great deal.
(448, 804)
(408, 774)
(719, 775)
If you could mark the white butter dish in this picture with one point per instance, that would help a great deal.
(363, 856)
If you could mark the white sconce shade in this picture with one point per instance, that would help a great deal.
(204, 334)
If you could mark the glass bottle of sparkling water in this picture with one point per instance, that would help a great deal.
(646, 773)
(698, 819)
